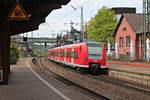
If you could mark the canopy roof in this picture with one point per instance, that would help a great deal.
(36, 9)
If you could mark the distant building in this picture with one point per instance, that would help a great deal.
(130, 28)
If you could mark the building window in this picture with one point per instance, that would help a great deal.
(124, 28)
(128, 41)
(121, 42)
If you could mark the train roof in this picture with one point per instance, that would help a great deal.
(78, 44)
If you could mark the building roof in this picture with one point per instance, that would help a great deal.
(121, 10)
(134, 20)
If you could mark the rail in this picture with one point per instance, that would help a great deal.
(105, 85)
(39, 63)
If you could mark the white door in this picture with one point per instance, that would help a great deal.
(72, 56)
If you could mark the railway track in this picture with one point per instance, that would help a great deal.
(38, 62)
(123, 83)
(111, 82)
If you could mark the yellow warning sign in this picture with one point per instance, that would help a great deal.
(18, 13)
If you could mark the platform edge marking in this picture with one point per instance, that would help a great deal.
(46, 83)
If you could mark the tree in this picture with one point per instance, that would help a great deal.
(14, 54)
(101, 27)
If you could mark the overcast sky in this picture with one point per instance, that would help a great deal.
(59, 20)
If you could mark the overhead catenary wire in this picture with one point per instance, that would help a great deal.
(72, 11)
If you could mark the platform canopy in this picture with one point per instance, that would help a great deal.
(35, 10)
(20, 16)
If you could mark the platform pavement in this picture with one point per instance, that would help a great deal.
(24, 85)
(141, 68)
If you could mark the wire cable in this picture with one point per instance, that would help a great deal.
(72, 11)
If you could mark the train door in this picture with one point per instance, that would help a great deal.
(65, 54)
(72, 56)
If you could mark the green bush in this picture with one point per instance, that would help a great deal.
(14, 54)
(13, 57)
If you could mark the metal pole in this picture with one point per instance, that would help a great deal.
(82, 27)
(26, 45)
(146, 24)
(32, 40)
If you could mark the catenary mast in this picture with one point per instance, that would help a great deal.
(146, 24)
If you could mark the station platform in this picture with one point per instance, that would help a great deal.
(141, 68)
(134, 72)
(24, 85)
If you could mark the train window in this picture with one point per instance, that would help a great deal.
(62, 54)
(65, 54)
(68, 54)
(57, 53)
(94, 50)
(72, 54)
(75, 54)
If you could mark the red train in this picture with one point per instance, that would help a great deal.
(89, 55)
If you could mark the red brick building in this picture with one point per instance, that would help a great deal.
(130, 28)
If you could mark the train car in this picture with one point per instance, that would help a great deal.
(88, 55)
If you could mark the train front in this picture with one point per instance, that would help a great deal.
(96, 58)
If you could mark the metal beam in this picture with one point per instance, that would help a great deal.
(146, 24)
(5, 56)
